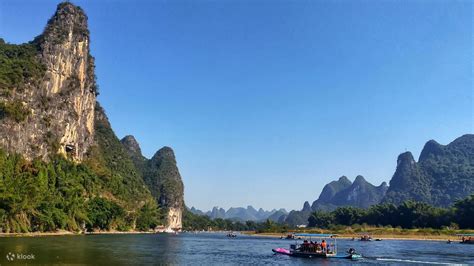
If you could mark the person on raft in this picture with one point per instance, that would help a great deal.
(324, 245)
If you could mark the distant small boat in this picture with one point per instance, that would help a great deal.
(365, 237)
(231, 235)
(289, 236)
(378, 239)
(466, 238)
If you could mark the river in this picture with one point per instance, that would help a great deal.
(212, 248)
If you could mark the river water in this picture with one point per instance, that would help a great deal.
(215, 249)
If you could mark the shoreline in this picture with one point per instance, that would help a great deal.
(388, 236)
(374, 236)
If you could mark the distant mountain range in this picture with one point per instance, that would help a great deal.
(242, 214)
(442, 175)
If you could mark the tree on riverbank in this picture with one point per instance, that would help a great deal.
(192, 222)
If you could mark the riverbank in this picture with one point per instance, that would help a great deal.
(378, 233)
(386, 237)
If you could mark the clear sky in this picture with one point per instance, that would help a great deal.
(264, 102)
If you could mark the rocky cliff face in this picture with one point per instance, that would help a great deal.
(58, 108)
(162, 177)
(442, 175)
(48, 106)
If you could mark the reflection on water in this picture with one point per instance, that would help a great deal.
(212, 249)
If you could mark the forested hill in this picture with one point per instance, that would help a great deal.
(162, 177)
(339, 193)
(61, 164)
(343, 192)
(442, 175)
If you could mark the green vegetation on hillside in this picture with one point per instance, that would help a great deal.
(123, 182)
(442, 175)
(37, 196)
(164, 172)
(160, 174)
(18, 64)
(113, 165)
(13, 109)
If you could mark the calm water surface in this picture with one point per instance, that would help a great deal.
(206, 248)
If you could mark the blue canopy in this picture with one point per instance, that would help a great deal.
(465, 234)
(316, 235)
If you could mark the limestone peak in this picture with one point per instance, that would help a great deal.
(68, 23)
(131, 144)
(165, 152)
(405, 158)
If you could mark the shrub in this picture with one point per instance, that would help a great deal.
(14, 110)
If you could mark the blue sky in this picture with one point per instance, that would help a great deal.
(264, 102)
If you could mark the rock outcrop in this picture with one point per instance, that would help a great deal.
(306, 207)
(132, 146)
(60, 106)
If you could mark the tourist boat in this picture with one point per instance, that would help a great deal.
(466, 238)
(310, 249)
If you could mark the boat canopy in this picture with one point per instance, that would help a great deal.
(316, 235)
(465, 234)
